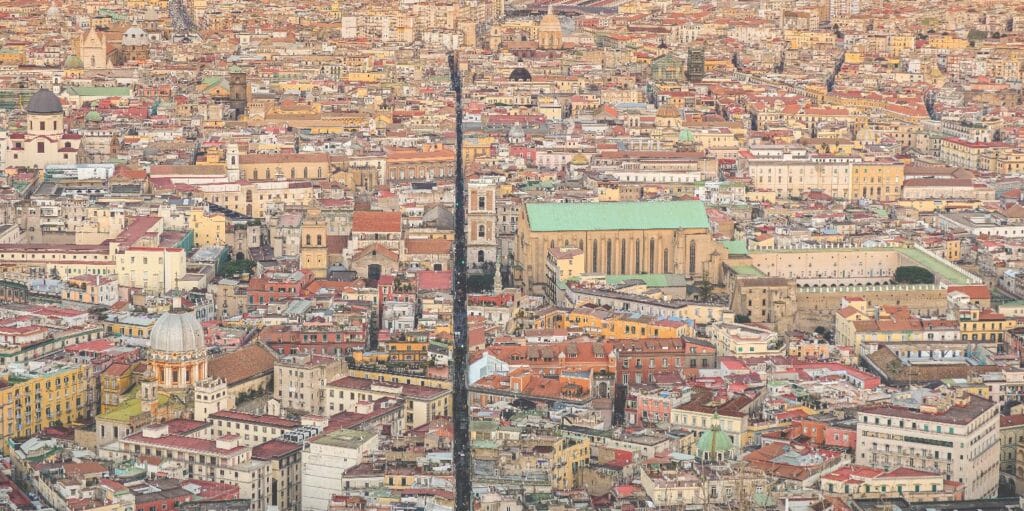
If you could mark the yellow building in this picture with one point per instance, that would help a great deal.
(209, 228)
(952, 250)
(877, 180)
(313, 244)
(154, 269)
(115, 382)
(55, 394)
(12, 56)
(805, 38)
(596, 322)
(729, 417)
(130, 325)
(568, 459)
(947, 42)
(984, 325)
(565, 263)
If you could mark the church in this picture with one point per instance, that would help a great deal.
(44, 141)
(619, 238)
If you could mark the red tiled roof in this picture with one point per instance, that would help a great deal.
(274, 449)
(246, 363)
(376, 221)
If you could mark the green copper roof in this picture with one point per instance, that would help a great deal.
(736, 247)
(713, 441)
(616, 216)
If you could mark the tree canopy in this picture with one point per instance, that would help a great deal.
(913, 275)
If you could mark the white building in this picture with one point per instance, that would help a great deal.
(326, 458)
(953, 434)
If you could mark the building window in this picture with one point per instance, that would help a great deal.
(650, 257)
(622, 257)
(40, 147)
(608, 257)
(693, 257)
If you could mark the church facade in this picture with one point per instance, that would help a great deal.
(44, 141)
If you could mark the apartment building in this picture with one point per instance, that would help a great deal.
(299, 381)
(956, 435)
(250, 429)
(422, 404)
(223, 460)
(32, 399)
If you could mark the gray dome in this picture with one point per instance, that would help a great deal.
(177, 332)
(134, 36)
(45, 102)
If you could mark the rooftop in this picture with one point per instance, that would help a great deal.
(616, 216)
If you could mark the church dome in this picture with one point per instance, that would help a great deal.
(134, 36)
(93, 116)
(714, 444)
(45, 102)
(177, 332)
(520, 74)
(550, 21)
(73, 62)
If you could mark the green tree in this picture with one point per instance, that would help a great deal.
(237, 267)
(913, 275)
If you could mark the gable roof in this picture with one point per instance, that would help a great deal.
(251, 361)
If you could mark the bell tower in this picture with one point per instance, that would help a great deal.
(211, 396)
(148, 398)
(231, 162)
(238, 93)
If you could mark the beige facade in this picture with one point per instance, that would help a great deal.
(284, 167)
(203, 459)
(254, 199)
(422, 404)
(299, 382)
(955, 435)
(691, 252)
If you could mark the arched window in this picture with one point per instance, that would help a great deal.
(593, 257)
(309, 240)
(479, 256)
(480, 230)
(693, 257)
(622, 257)
(664, 261)
(650, 257)
(638, 258)
(608, 257)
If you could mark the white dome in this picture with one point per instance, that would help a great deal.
(177, 332)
